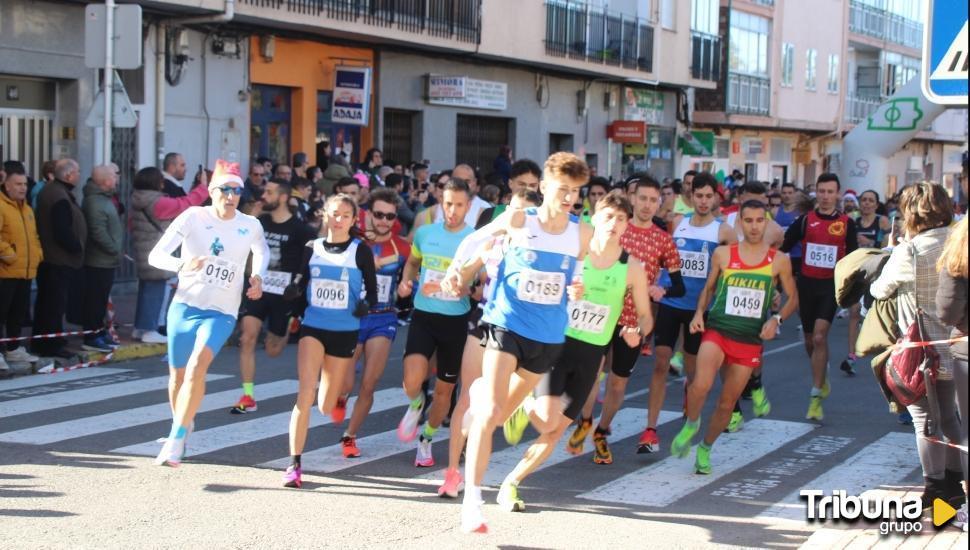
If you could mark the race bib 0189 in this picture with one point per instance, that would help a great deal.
(821, 255)
(275, 282)
(588, 317)
(541, 287)
(329, 294)
(219, 272)
(744, 302)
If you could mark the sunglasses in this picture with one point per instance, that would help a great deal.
(230, 190)
(577, 206)
(389, 216)
(440, 185)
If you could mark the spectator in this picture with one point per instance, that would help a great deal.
(467, 173)
(502, 165)
(102, 255)
(63, 233)
(20, 254)
(314, 174)
(405, 215)
(267, 165)
(173, 168)
(421, 174)
(373, 160)
(299, 198)
(46, 176)
(336, 170)
(300, 164)
(283, 172)
(256, 181)
(151, 212)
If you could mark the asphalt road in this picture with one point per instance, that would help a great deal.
(75, 468)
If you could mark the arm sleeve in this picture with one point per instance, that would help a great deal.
(951, 301)
(898, 270)
(472, 244)
(62, 223)
(676, 288)
(365, 261)
(260, 253)
(161, 254)
(794, 234)
(852, 236)
(167, 208)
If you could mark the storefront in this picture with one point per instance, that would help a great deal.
(657, 109)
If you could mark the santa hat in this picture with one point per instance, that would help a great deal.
(362, 179)
(225, 172)
(850, 195)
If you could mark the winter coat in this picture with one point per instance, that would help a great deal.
(61, 226)
(20, 250)
(951, 307)
(151, 213)
(855, 272)
(105, 231)
(331, 176)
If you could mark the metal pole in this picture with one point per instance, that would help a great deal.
(108, 84)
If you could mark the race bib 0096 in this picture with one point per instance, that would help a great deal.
(329, 294)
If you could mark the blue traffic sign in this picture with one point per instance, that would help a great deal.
(945, 52)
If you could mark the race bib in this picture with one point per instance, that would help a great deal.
(384, 288)
(588, 317)
(329, 294)
(219, 272)
(275, 282)
(435, 276)
(693, 264)
(821, 255)
(744, 302)
(541, 287)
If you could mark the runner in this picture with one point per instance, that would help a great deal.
(439, 320)
(379, 327)
(471, 358)
(751, 191)
(655, 249)
(337, 270)
(525, 175)
(742, 279)
(216, 241)
(286, 236)
(608, 276)
(596, 189)
(785, 216)
(527, 314)
(696, 237)
(826, 236)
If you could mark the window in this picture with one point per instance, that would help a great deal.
(399, 127)
(749, 44)
(479, 137)
(668, 14)
(703, 17)
(705, 40)
(810, 59)
(899, 70)
(787, 63)
(833, 85)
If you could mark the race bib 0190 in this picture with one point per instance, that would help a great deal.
(275, 282)
(744, 302)
(821, 255)
(219, 272)
(588, 317)
(329, 294)
(693, 264)
(384, 288)
(541, 287)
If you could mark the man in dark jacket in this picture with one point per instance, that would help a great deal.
(63, 233)
(102, 254)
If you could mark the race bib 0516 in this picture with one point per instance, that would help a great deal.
(821, 255)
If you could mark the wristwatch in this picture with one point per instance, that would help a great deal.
(777, 317)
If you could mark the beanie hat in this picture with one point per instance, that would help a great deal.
(362, 179)
(225, 172)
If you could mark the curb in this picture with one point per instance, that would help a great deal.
(126, 352)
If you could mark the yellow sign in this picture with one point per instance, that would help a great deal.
(942, 512)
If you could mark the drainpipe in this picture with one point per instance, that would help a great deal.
(228, 12)
(160, 31)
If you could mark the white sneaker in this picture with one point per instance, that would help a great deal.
(137, 333)
(153, 337)
(424, 458)
(4, 367)
(472, 519)
(171, 453)
(20, 355)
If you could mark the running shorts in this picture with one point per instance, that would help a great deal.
(376, 325)
(670, 322)
(816, 300)
(735, 353)
(624, 357)
(533, 356)
(573, 375)
(444, 334)
(272, 310)
(336, 343)
(189, 325)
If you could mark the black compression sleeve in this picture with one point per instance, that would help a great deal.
(365, 261)
(794, 235)
(676, 288)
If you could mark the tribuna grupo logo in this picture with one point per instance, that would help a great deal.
(894, 514)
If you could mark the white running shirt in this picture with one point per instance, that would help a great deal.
(225, 244)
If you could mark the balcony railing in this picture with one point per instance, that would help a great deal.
(455, 19)
(705, 52)
(881, 24)
(579, 31)
(858, 108)
(748, 94)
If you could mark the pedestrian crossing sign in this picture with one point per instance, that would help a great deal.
(946, 55)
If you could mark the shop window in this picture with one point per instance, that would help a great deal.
(560, 142)
(478, 139)
(399, 127)
(660, 152)
(270, 122)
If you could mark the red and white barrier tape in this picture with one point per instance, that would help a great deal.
(51, 369)
(961, 448)
(907, 345)
(51, 335)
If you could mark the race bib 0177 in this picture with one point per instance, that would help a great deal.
(588, 317)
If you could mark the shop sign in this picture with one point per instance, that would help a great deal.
(351, 93)
(462, 91)
(645, 105)
(696, 143)
(627, 131)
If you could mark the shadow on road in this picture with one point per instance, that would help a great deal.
(35, 513)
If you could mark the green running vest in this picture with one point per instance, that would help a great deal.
(593, 319)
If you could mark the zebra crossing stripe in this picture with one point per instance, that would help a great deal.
(262, 427)
(33, 381)
(82, 396)
(119, 420)
(373, 447)
(671, 479)
(887, 461)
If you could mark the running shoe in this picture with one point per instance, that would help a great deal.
(601, 451)
(452, 485)
(98, 343)
(246, 404)
(348, 445)
(172, 452)
(515, 426)
(960, 521)
(761, 404)
(735, 424)
(472, 519)
(575, 444)
(677, 362)
(649, 442)
(848, 366)
(20, 355)
(508, 498)
(339, 410)
(815, 408)
(293, 477)
(702, 463)
(905, 418)
(424, 458)
(680, 446)
(407, 429)
(826, 388)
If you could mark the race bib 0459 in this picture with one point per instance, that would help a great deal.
(541, 287)
(744, 302)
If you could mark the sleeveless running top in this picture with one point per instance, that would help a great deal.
(873, 231)
(785, 219)
(436, 246)
(529, 292)
(823, 245)
(696, 246)
(743, 298)
(593, 319)
(336, 285)
(389, 257)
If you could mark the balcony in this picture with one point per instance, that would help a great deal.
(858, 108)
(749, 95)
(578, 31)
(455, 19)
(705, 51)
(883, 25)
